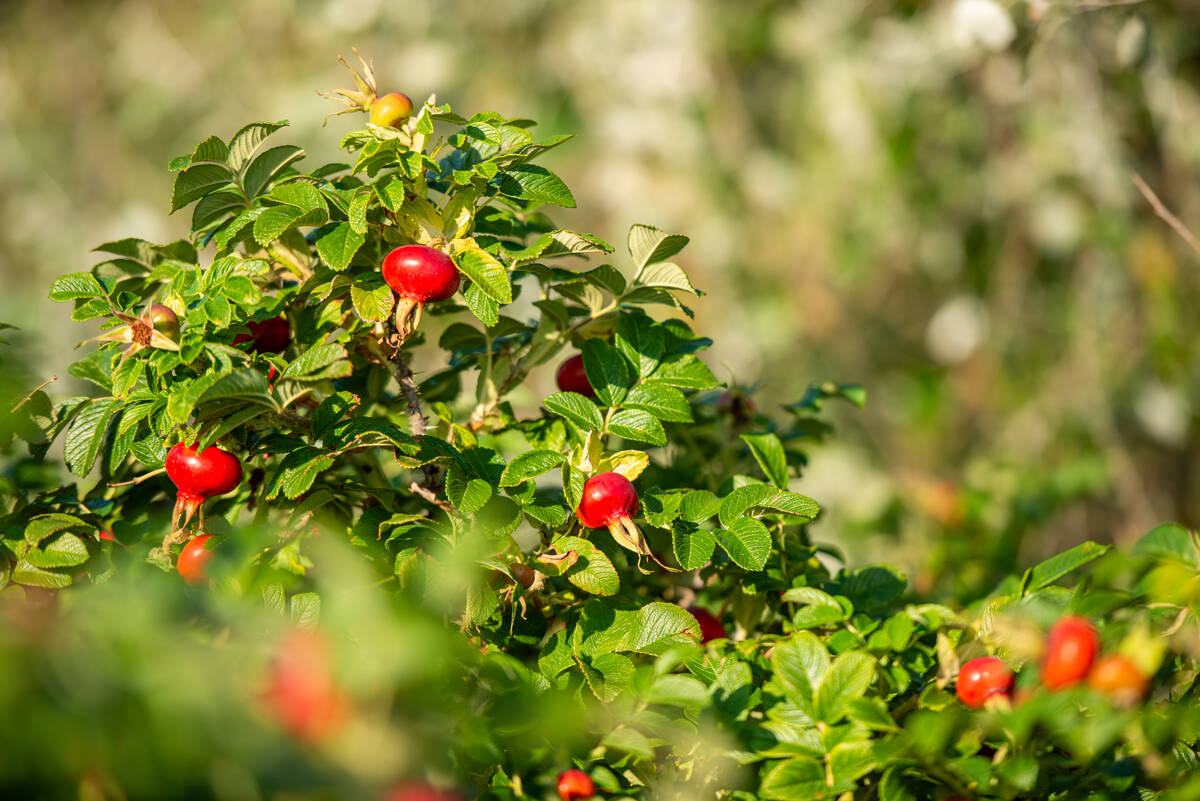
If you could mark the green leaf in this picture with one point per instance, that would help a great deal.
(1171, 542)
(29, 575)
(608, 675)
(641, 341)
(607, 371)
(693, 546)
(575, 408)
(677, 690)
(268, 166)
(768, 452)
(662, 401)
(592, 572)
(648, 245)
(698, 506)
(358, 210)
(485, 272)
(1058, 566)
(43, 526)
(321, 361)
(297, 472)
(536, 184)
(486, 310)
(272, 222)
(197, 181)
(818, 608)
(667, 275)
(65, 550)
(373, 300)
(800, 663)
(75, 285)
(244, 384)
(529, 465)
(338, 246)
(847, 679)
(475, 494)
(637, 425)
(685, 372)
(245, 142)
(86, 434)
(301, 195)
(305, 608)
(747, 542)
(798, 779)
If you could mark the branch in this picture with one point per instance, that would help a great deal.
(1164, 213)
(408, 385)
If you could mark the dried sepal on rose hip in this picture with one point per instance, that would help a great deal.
(419, 274)
(156, 327)
(199, 476)
(609, 501)
(984, 681)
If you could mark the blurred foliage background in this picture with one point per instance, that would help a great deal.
(933, 199)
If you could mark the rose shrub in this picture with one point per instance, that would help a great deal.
(402, 597)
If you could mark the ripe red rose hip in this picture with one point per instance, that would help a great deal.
(164, 320)
(710, 626)
(200, 475)
(419, 275)
(1071, 648)
(572, 378)
(1119, 679)
(981, 679)
(193, 560)
(575, 784)
(389, 109)
(606, 499)
(302, 694)
(419, 791)
(267, 336)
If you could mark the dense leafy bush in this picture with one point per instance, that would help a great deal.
(397, 585)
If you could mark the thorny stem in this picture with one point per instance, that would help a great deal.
(1164, 213)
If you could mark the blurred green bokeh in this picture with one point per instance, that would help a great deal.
(933, 199)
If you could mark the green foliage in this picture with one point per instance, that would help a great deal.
(479, 633)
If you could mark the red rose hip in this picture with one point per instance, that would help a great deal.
(200, 475)
(1118, 678)
(419, 275)
(981, 679)
(193, 560)
(572, 378)
(575, 784)
(710, 626)
(302, 693)
(389, 109)
(1071, 648)
(607, 498)
(267, 336)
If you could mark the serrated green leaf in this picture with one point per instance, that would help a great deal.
(197, 181)
(662, 401)
(373, 300)
(86, 434)
(666, 275)
(693, 546)
(323, 360)
(593, 571)
(634, 424)
(536, 184)
(768, 452)
(75, 285)
(245, 142)
(648, 245)
(529, 465)
(338, 245)
(576, 408)
(607, 371)
(846, 679)
(485, 272)
(65, 550)
(747, 542)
